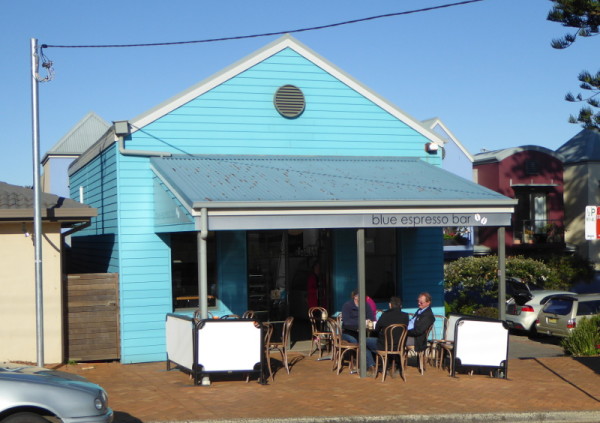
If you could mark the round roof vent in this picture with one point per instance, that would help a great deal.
(289, 101)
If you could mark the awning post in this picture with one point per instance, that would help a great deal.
(202, 265)
(362, 300)
(501, 274)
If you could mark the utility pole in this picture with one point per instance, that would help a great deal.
(37, 221)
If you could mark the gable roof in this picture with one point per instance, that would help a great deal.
(499, 155)
(79, 138)
(583, 147)
(17, 203)
(282, 43)
(432, 123)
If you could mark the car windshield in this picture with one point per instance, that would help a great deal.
(561, 306)
(588, 308)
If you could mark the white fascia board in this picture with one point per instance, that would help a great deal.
(211, 82)
(176, 193)
(431, 123)
(287, 41)
(304, 212)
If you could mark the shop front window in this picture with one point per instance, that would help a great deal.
(380, 251)
(184, 270)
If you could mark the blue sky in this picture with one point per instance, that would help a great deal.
(486, 69)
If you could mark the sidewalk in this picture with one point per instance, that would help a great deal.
(552, 389)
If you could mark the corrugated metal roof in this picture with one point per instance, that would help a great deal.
(499, 155)
(583, 147)
(215, 180)
(83, 134)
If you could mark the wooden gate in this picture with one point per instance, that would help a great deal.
(92, 317)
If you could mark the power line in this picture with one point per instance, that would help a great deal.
(267, 34)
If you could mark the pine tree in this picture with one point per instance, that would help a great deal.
(585, 16)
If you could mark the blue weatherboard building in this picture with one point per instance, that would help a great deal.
(224, 197)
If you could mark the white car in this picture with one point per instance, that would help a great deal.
(30, 394)
(523, 308)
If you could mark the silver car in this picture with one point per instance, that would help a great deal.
(30, 394)
(561, 313)
(523, 307)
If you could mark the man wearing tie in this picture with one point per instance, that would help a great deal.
(420, 323)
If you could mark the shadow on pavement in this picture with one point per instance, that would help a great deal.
(591, 362)
(121, 417)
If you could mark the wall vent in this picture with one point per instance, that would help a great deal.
(289, 101)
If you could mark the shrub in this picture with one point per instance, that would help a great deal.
(584, 339)
(490, 312)
(472, 282)
(569, 269)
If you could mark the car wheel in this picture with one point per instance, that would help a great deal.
(25, 418)
(533, 333)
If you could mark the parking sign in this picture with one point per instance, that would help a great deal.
(592, 230)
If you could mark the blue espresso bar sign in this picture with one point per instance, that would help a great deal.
(434, 220)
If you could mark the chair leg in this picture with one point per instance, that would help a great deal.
(269, 366)
(384, 367)
(284, 359)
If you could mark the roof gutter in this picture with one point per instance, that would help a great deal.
(122, 130)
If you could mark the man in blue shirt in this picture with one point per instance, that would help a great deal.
(420, 323)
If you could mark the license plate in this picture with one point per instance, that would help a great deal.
(553, 320)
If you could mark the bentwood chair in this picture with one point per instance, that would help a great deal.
(320, 335)
(446, 345)
(433, 344)
(282, 346)
(267, 343)
(341, 348)
(410, 349)
(395, 340)
(248, 314)
(197, 315)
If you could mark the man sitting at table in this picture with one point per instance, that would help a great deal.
(389, 317)
(350, 318)
(420, 323)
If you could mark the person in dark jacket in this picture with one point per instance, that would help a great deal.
(393, 315)
(420, 323)
(350, 318)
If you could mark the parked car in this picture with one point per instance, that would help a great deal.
(560, 314)
(526, 301)
(30, 394)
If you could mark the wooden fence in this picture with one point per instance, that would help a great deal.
(92, 317)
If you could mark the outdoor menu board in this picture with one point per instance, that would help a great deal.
(228, 345)
(208, 346)
(480, 342)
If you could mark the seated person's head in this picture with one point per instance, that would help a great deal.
(395, 302)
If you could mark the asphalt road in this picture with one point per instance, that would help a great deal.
(521, 346)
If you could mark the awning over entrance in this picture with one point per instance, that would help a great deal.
(279, 192)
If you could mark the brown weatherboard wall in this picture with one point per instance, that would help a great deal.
(92, 317)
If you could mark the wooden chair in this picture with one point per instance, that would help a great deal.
(197, 318)
(446, 345)
(267, 341)
(282, 346)
(320, 335)
(229, 317)
(268, 332)
(341, 348)
(395, 340)
(433, 344)
(249, 314)
(410, 349)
